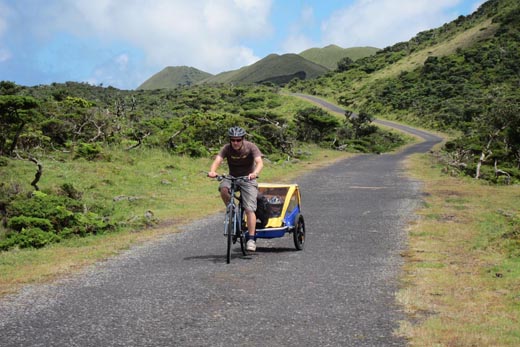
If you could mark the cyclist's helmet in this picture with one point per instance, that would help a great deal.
(236, 132)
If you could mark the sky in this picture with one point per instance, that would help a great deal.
(121, 43)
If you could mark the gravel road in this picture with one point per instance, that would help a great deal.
(179, 291)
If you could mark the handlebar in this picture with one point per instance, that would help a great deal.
(232, 178)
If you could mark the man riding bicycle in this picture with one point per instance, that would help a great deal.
(244, 159)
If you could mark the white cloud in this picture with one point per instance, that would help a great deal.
(206, 34)
(381, 23)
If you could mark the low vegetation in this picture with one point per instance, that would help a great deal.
(461, 285)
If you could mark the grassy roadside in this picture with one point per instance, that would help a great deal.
(461, 282)
(174, 188)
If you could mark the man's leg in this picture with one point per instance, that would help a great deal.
(224, 194)
(251, 228)
(224, 191)
(251, 223)
(249, 191)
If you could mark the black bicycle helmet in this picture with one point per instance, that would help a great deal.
(236, 132)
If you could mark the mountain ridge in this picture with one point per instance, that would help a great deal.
(273, 68)
(330, 55)
(174, 76)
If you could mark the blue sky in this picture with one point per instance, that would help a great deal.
(121, 43)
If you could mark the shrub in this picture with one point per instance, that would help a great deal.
(89, 223)
(35, 237)
(28, 237)
(59, 210)
(19, 223)
(313, 124)
(7, 243)
(89, 151)
(41, 219)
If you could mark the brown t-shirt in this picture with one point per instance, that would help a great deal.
(241, 162)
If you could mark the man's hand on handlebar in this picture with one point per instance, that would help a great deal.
(212, 174)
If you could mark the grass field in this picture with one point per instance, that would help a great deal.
(461, 285)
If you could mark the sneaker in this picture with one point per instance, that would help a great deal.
(251, 245)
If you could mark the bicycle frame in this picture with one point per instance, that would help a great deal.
(233, 229)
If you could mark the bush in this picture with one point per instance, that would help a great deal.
(313, 124)
(59, 210)
(7, 243)
(89, 223)
(89, 151)
(40, 219)
(28, 237)
(19, 223)
(35, 237)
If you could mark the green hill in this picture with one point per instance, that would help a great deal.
(174, 76)
(330, 55)
(462, 76)
(278, 69)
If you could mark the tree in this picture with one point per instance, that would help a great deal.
(313, 124)
(9, 88)
(15, 113)
(361, 124)
(499, 129)
(345, 64)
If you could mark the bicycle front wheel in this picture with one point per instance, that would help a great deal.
(228, 232)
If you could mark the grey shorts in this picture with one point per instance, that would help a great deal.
(248, 191)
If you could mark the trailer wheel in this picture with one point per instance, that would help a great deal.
(299, 233)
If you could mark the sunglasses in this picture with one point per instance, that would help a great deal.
(235, 140)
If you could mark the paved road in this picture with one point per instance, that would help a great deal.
(178, 291)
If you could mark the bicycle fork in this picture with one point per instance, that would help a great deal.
(232, 221)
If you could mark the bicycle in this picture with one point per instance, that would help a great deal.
(234, 224)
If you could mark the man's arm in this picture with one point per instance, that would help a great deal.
(259, 164)
(214, 166)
